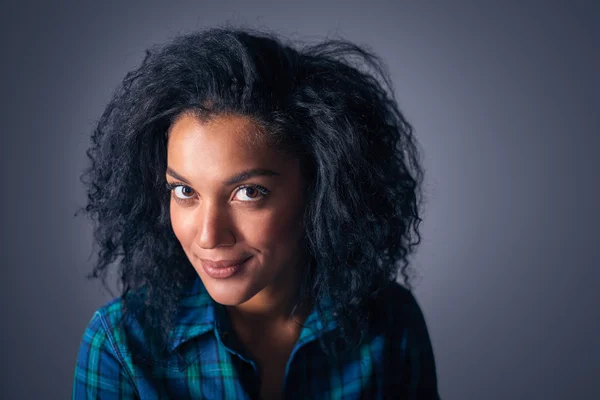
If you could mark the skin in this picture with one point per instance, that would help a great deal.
(215, 221)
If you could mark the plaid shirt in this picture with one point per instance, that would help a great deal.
(394, 361)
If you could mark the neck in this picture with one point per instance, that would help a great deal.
(274, 304)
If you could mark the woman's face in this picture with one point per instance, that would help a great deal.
(235, 198)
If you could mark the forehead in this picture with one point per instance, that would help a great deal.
(217, 129)
(217, 147)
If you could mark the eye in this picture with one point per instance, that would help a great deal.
(180, 191)
(247, 193)
(183, 192)
(251, 193)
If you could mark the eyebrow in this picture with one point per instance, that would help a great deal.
(237, 178)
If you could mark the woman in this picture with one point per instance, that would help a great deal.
(260, 201)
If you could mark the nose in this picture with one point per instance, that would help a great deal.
(214, 227)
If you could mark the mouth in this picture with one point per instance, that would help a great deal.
(224, 269)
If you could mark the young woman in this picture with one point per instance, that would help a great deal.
(260, 201)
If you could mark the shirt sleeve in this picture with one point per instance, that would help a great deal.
(99, 372)
(411, 369)
(421, 360)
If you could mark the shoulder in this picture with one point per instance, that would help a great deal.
(409, 353)
(101, 368)
(398, 307)
(400, 318)
(118, 324)
(107, 331)
(106, 324)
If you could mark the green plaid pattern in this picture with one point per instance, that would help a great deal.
(395, 360)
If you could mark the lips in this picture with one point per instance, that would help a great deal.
(223, 263)
(224, 268)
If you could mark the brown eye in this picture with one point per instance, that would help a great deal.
(183, 192)
(251, 193)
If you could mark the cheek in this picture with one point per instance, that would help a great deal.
(184, 231)
(273, 230)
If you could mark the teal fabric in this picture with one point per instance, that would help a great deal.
(394, 360)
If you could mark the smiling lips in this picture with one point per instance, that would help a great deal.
(223, 269)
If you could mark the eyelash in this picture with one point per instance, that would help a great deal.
(261, 189)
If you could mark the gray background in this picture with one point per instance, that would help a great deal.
(504, 97)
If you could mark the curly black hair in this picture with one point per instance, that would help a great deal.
(332, 104)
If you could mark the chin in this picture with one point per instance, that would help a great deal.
(229, 292)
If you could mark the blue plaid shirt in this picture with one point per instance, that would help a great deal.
(395, 360)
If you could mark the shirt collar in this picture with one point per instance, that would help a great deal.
(197, 315)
